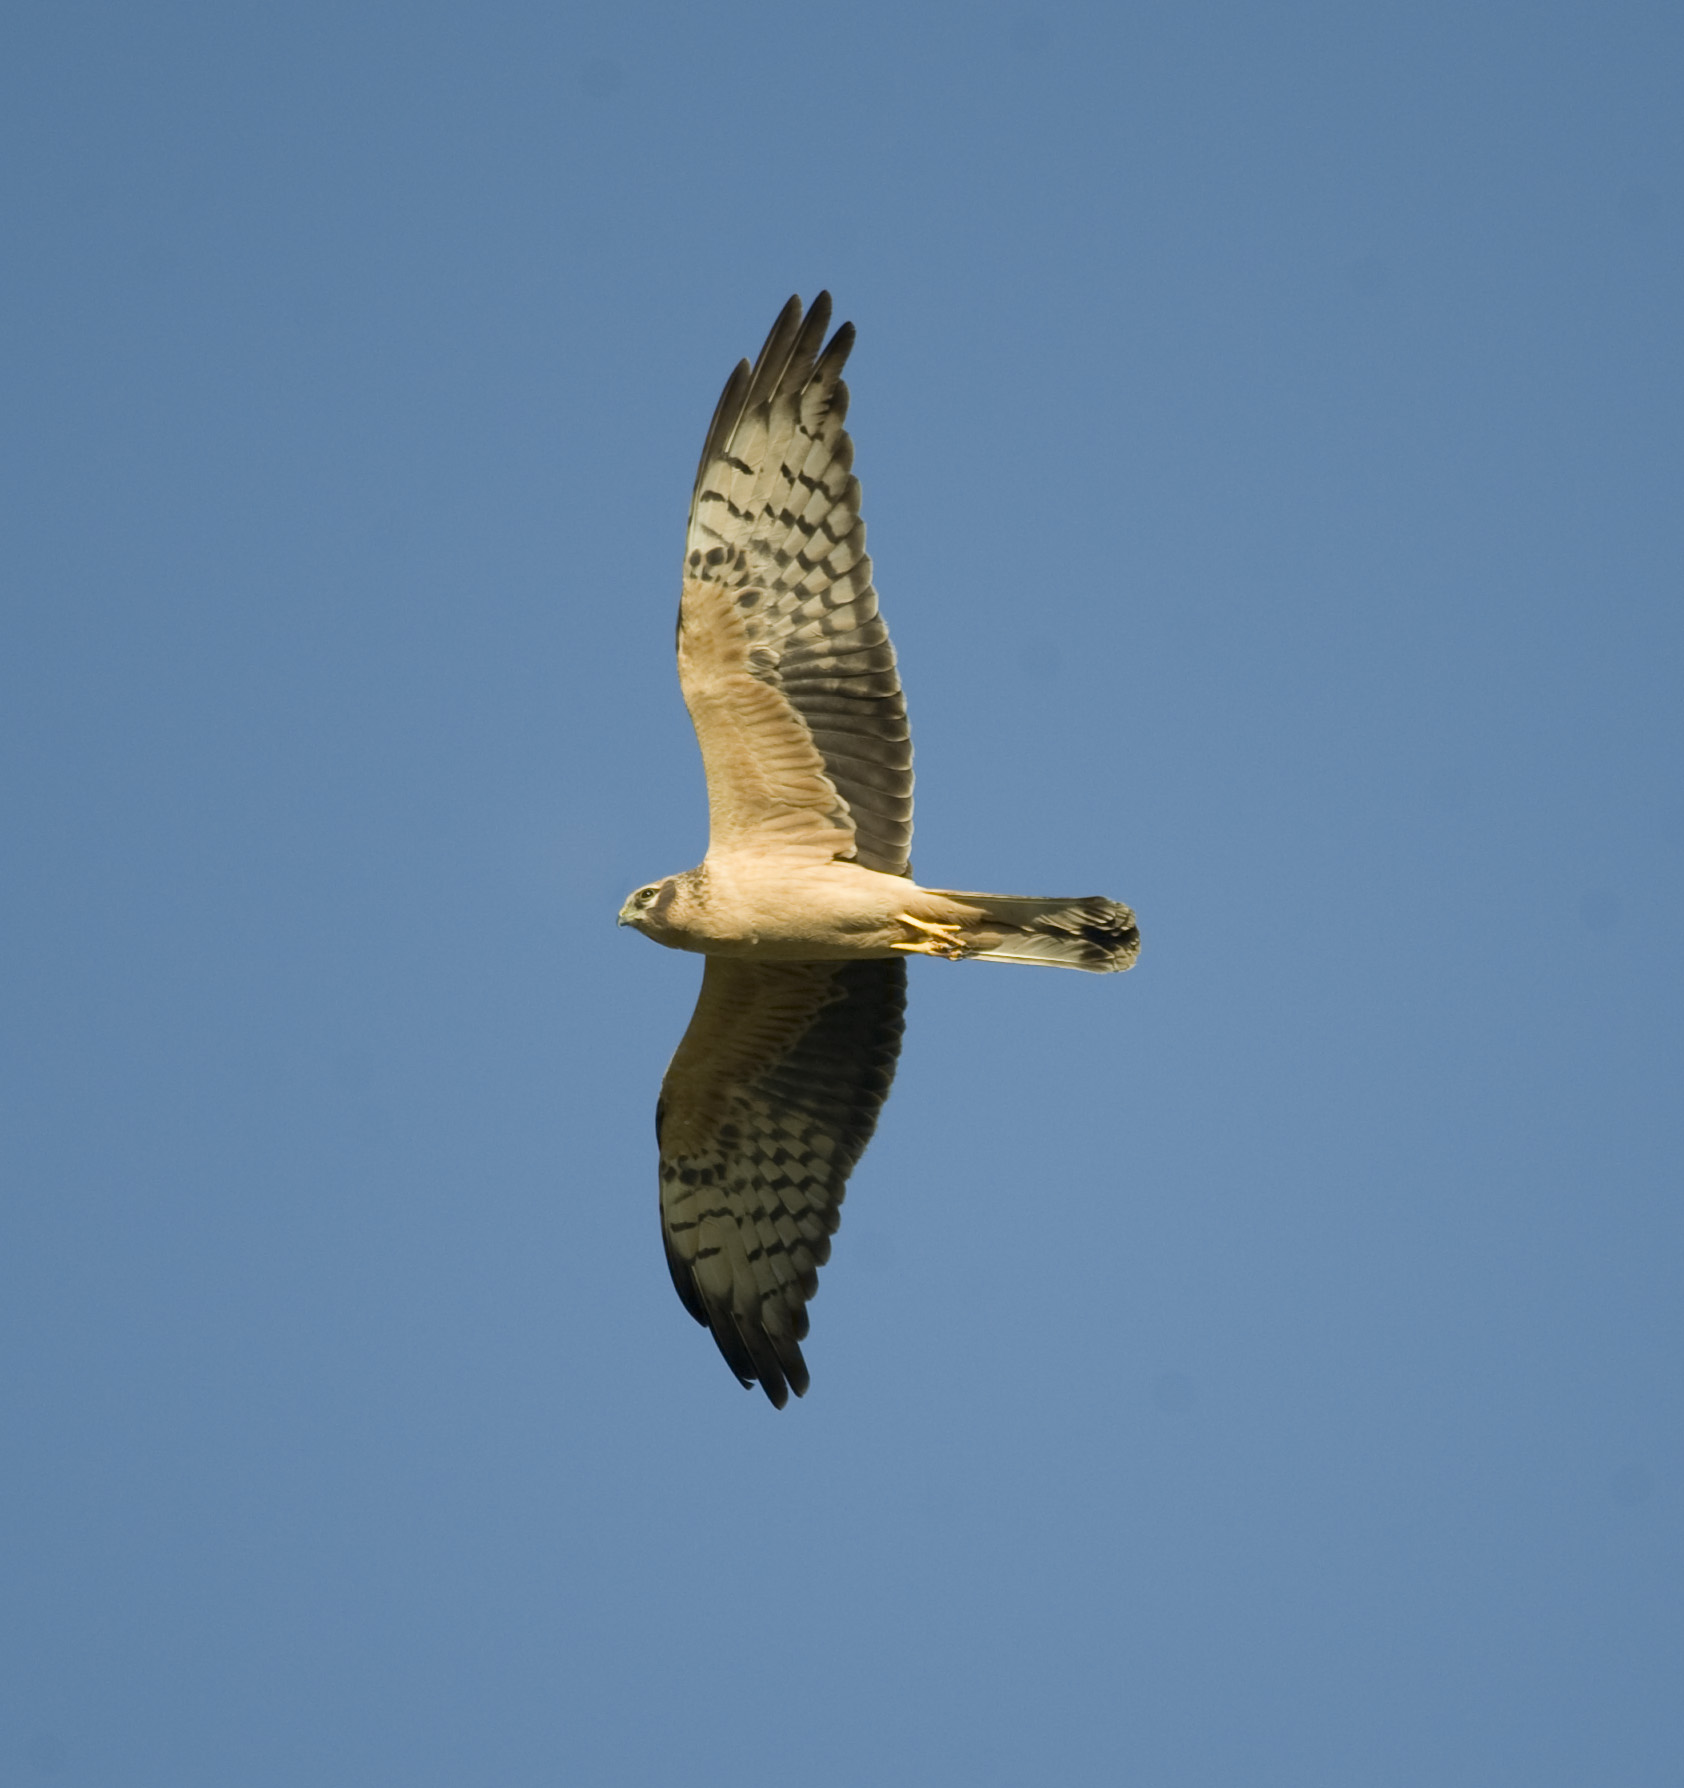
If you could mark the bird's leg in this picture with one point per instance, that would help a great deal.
(938, 940)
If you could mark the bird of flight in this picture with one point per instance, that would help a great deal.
(804, 907)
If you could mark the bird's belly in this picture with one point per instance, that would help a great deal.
(829, 913)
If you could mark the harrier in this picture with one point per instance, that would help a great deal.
(804, 906)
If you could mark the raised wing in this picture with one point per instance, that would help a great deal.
(785, 662)
(769, 1102)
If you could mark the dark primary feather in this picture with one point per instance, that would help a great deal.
(775, 519)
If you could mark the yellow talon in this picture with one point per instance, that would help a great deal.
(939, 940)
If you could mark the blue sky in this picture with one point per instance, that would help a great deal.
(1263, 1367)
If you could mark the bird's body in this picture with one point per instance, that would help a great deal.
(804, 906)
(812, 912)
(837, 912)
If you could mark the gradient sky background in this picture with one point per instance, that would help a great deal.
(1263, 1368)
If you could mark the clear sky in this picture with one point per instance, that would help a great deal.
(1262, 1368)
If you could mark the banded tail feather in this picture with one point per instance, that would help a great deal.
(1090, 933)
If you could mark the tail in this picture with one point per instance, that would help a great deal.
(1093, 933)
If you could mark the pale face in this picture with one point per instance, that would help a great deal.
(636, 909)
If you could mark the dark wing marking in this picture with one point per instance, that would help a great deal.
(775, 533)
(769, 1102)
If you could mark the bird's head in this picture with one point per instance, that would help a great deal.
(644, 908)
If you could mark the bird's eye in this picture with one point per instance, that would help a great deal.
(645, 895)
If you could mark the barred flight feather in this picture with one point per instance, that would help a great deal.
(776, 533)
(770, 1100)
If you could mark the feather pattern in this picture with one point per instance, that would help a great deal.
(770, 1100)
(775, 556)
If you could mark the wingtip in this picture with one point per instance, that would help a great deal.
(778, 1385)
